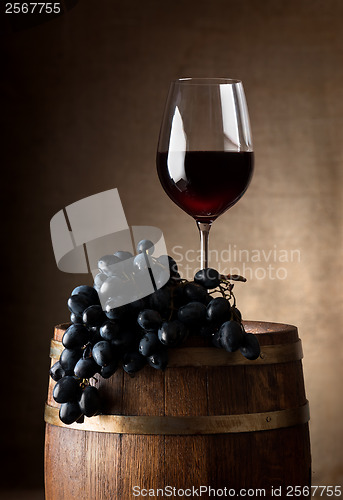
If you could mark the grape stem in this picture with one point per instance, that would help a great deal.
(84, 383)
(233, 277)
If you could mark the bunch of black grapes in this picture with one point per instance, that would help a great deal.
(132, 335)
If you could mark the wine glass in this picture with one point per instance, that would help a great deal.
(205, 155)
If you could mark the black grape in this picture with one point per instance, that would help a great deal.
(149, 344)
(140, 262)
(95, 335)
(110, 330)
(109, 370)
(149, 320)
(216, 339)
(138, 305)
(159, 360)
(75, 336)
(172, 333)
(194, 292)
(56, 372)
(93, 316)
(69, 358)
(231, 336)
(115, 312)
(86, 368)
(218, 311)
(66, 389)
(89, 291)
(70, 412)
(78, 303)
(133, 362)
(178, 296)
(192, 314)
(208, 278)
(161, 276)
(251, 347)
(146, 246)
(110, 289)
(123, 255)
(76, 318)
(99, 279)
(125, 340)
(236, 313)
(90, 402)
(161, 300)
(171, 262)
(102, 353)
(107, 264)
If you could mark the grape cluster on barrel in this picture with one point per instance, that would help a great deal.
(138, 333)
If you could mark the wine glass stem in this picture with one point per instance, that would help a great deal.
(204, 230)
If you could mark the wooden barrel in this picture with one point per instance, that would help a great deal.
(212, 419)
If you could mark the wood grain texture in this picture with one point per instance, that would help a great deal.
(186, 457)
(142, 395)
(98, 465)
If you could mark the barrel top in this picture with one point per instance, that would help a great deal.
(269, 333)
(258, 327)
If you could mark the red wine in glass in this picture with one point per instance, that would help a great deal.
(205, 156)
(205, 183)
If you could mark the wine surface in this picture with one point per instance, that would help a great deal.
(205, 183)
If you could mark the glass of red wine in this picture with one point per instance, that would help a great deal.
(205, 155)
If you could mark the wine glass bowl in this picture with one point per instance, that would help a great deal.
(205, 153)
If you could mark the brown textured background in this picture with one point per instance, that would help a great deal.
(82, 99)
